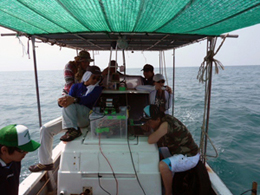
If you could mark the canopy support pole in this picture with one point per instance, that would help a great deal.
(124, 65)
(208, 83)
(160, 62)
(173, 80)
(36, 81)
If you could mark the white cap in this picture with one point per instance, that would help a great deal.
(158, 77)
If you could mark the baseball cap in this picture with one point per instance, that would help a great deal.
(147, 67)
(158, 77)
(152, 112)
(84, 56)
(94, 69)
(18, 136)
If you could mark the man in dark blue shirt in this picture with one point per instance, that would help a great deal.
(15, 143)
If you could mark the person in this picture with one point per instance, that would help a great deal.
(171, 133)
(74, 70)
(15, 143)
(114, 76)
(148, 83)
(148, 74)
(161, 95)
(75, 114)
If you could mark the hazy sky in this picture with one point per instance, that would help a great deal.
(243, 50)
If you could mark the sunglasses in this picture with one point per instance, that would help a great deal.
(19, 150)
(161, 81)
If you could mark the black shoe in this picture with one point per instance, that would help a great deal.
(70, 135)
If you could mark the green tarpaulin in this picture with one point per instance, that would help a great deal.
(189, 17)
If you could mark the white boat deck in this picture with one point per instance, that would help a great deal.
(82, 161)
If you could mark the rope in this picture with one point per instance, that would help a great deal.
(210, 59)
(201, 146)
(203, 133)
(164, 65)
(205, 71)
(21, 43)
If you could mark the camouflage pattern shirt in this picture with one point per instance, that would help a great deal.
(178, 138)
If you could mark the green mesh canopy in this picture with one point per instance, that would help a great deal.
(181, 17)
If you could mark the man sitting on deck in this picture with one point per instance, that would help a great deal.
(75, 113)
(169, 132)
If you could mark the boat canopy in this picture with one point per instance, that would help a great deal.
(144, 24)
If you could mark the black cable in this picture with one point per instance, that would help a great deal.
(131, 155)
(248, 191)
(100, 149)
(99, 176)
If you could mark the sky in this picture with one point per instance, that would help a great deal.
(243, 50)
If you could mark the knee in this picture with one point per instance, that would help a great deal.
(163, 166)
(44, 131)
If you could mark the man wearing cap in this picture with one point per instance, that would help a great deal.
(148, 74)
(75, 115)
(171, 134)
(15, 143)
(74, 70)
(161, 95)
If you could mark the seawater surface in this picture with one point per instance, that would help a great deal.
(234, 125)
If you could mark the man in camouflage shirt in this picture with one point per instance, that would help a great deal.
(170, 133)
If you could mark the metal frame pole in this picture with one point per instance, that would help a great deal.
(36, 81)
(208, 84)
(124, 64)
(210, 45)
(173, 80)
(160, 62)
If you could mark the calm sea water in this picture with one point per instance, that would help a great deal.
(234, 124)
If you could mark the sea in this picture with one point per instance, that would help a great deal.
(234, 125)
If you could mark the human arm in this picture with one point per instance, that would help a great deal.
(146, 127)
(67, 100)
(158, 134)
(145, 88)
(69, 77)
(168, 89)
(90, 98)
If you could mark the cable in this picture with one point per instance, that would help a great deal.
(109, 165)
(131, 155)
(248, 191)
(99, 176)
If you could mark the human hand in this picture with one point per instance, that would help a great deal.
(146, 127)
(65, 101)
(168, 89)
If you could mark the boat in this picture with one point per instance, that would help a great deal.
(135, 25)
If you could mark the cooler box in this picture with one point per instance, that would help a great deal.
(113, 125)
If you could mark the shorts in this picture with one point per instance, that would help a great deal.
(180, 163)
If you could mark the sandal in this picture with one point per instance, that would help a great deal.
(40, 167)
(71, 134)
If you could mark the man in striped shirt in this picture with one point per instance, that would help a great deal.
(74, 70)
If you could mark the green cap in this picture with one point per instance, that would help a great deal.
(18, 136)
